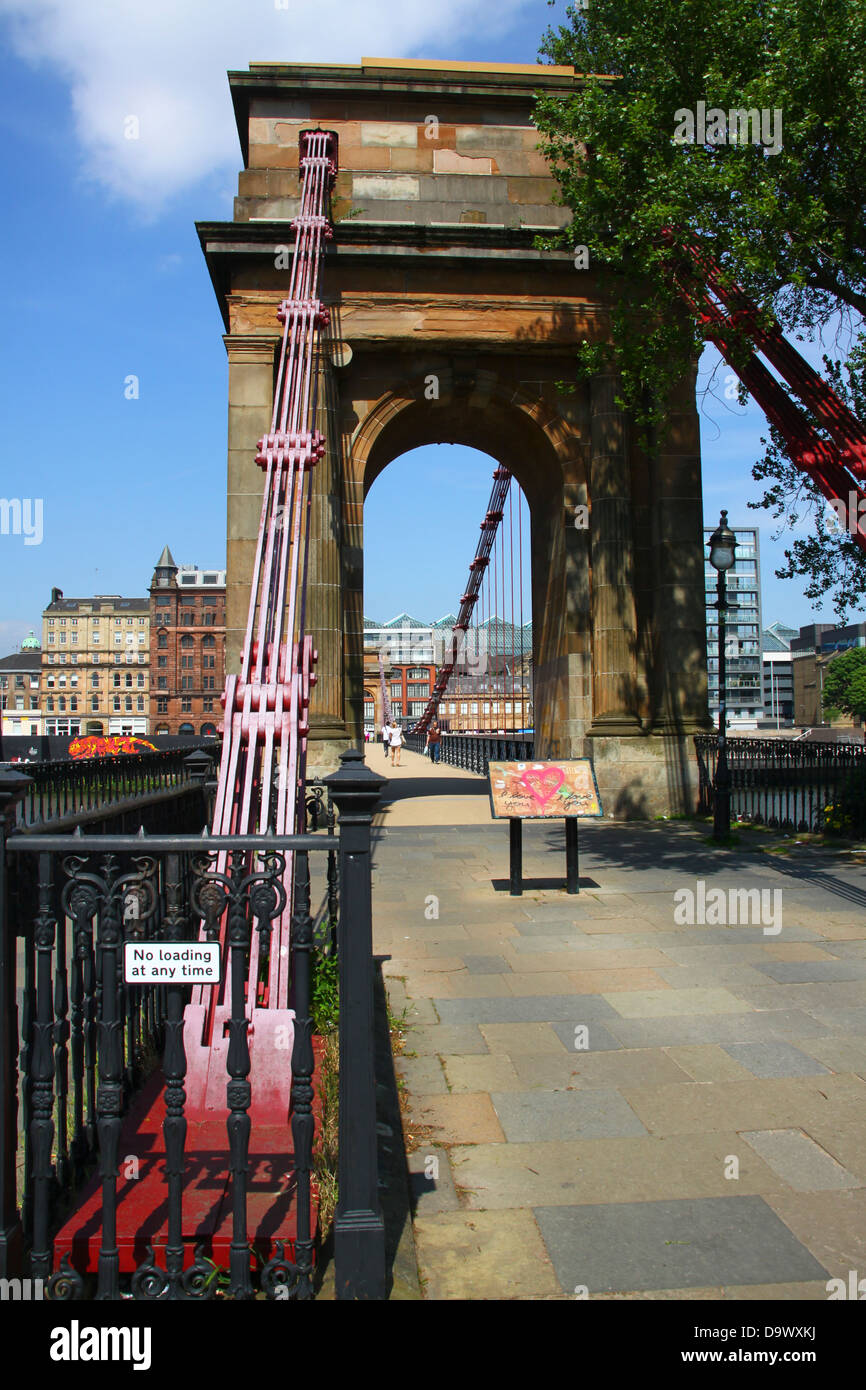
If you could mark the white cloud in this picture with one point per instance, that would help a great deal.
(164, 62)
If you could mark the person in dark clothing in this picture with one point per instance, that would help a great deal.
(434, 739)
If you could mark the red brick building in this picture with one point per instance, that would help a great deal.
(187, 648)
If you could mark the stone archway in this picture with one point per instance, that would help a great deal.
(533, 441)
(448, 323)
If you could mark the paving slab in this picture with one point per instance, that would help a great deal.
(764, 1026)
(590, 1036)
(666, 1003)
(431, 1185)
(628, 1068)
(775, 1059)
(601, 1113)
(560, 1008)
(440, 1038)
(423, 1076)
(521, 1039)
(830, 1224)
(814, 971)
(707, 1062)
(648, 1245)
(837, 1054)
(468, 1118)
(570, 1172)
(803, 1164)
(484, 1255)
(486, 965)
(746, 1105)
(495, 1072)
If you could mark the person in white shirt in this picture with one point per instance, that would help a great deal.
(395, 740)
(385, 731)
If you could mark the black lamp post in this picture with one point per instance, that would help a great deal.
(723, 545)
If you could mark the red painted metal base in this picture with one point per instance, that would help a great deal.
(142, 1204)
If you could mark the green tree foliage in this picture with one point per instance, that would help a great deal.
(845, 684)
(789, 226)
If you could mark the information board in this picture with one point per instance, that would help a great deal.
(171, 962)
(543, 790)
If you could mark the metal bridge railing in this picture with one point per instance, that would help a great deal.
(787, 784)
(474, 752)
(65, 788)
(76, 1054)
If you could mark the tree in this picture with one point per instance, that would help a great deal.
(783, 217)
(845, 684)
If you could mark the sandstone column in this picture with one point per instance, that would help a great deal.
(324, 604)
(251, 395)
(680, 678)
(616, 694)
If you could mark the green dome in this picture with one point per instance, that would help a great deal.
(30, 643)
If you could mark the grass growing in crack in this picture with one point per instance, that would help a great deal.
(325, 1013)
(326, 1150)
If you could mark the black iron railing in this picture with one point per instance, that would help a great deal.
(473, 752)
(788, 784)
(66, 788)
(69, 1072)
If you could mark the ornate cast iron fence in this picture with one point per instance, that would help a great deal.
(68, 905)
(473, 752)
(787, 784)
(66, 788)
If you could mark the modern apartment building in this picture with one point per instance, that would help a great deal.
(188, 647)
(778, 675)
(742, 633)
(95, 665)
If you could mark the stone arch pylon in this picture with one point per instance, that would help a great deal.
(437, 273)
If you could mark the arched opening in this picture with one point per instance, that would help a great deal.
(501, 426)
(94, 726)
(208, 730)
(422, 522)
(186, 729)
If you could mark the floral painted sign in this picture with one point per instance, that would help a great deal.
(98, 746)
(532, 790)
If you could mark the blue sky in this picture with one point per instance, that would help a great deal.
(105, 281)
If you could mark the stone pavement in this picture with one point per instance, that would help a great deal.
(601, 1098)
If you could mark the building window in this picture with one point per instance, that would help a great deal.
(186, 682)
(162, 682)
(115, 680)
(186, 705)
(94, 703)
(162, 661)
(162, 704)
(186, 642)
(162, 639)
(128, 681)
(207, 706)
(187, 619)
(186, 663)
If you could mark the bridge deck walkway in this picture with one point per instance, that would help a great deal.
(600, 1097)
